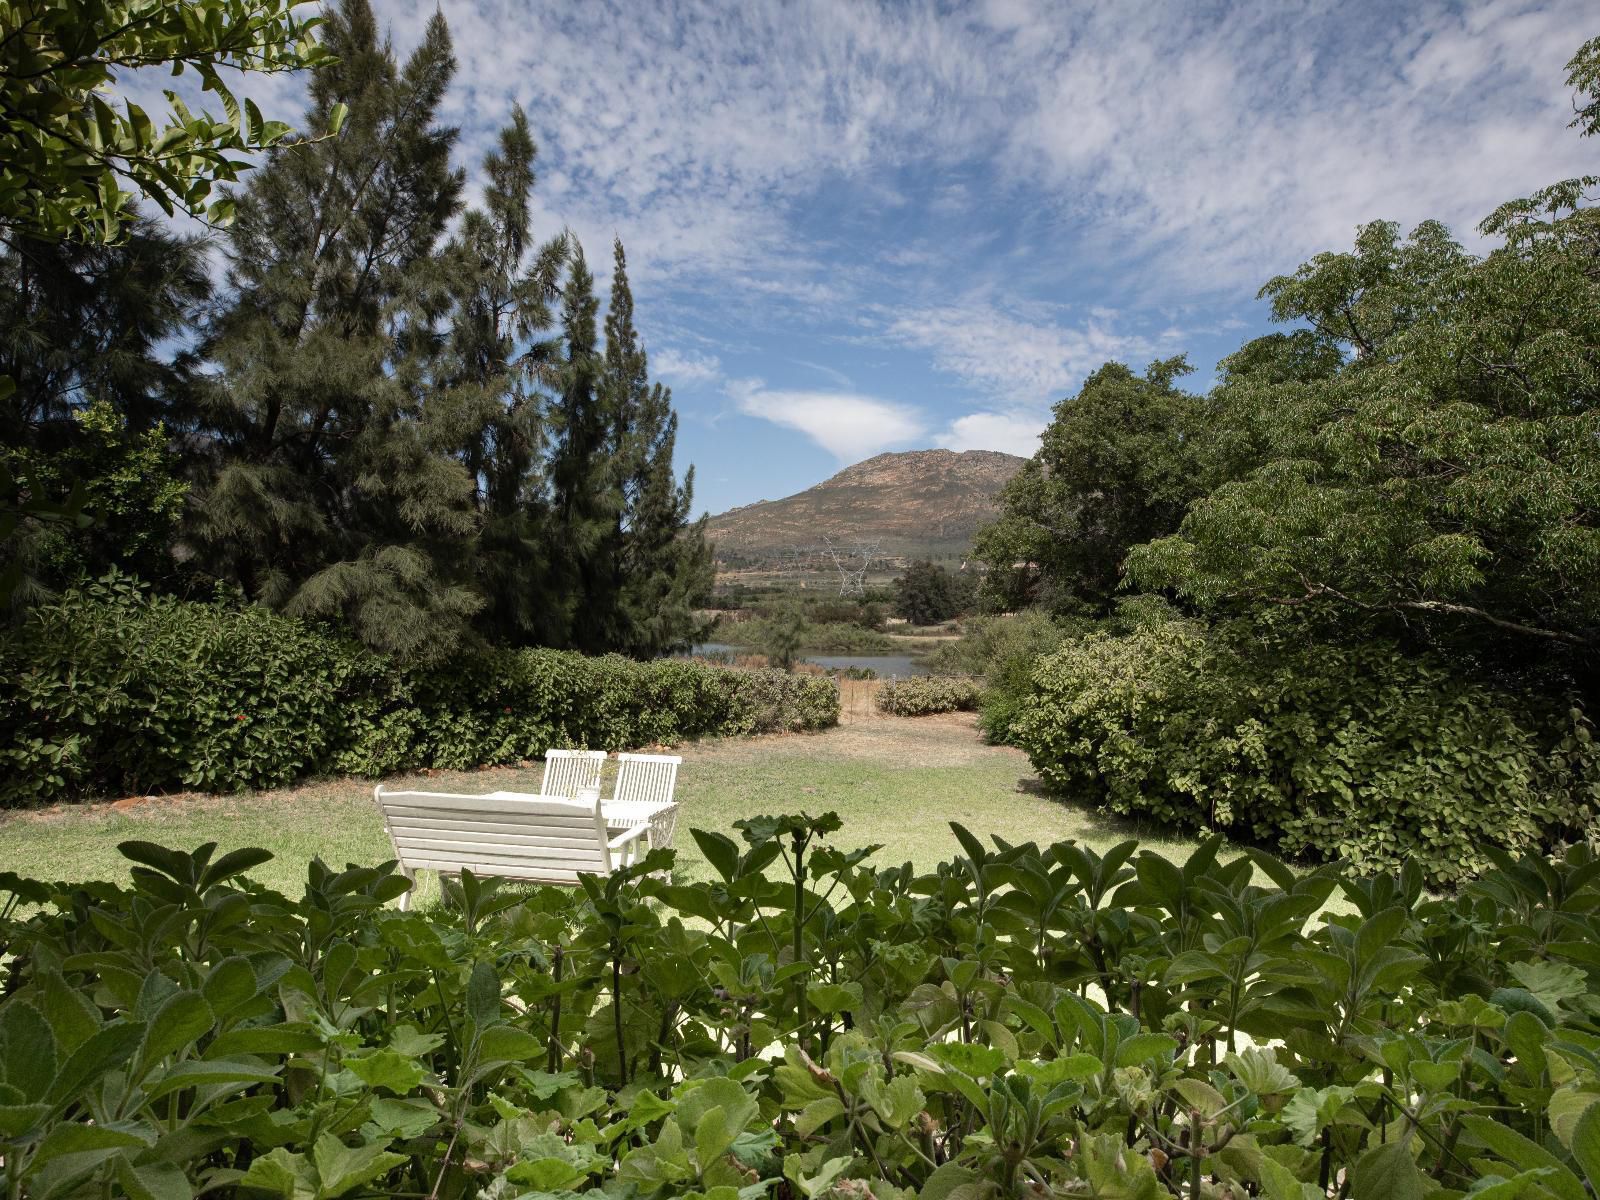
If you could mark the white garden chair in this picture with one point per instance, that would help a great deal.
(643, 796)
(541, 839)
(568, 772)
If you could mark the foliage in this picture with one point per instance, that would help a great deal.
(780, 637)
(419, 433)
(1444, 473)
(922, 695)
(1114, 469)
(927, 594)
(1004, 652)
(68, 153)
(819, 637)
(1360, 752)
(107, 691)
(1020, 1022)
(127, 487)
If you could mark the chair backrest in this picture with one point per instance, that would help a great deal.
(649, 777)
(567, 772)
(547, 839)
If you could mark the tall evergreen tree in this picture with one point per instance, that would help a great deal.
(586, 495)
(500, 357)
(327, 490)
(660, 565)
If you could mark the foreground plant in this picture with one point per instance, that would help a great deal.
(1022, 1021)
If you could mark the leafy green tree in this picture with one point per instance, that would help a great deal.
(86, 332)
(1115, 468)
(661, 563)
(128, 487)
(927, 594)
(72, 161)
(1446, 474)
(331, 490)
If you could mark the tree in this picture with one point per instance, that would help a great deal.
(661, 564)
(782, 635)
(327, 488)
(490, 388)
(85, 337)
(1114, 468)
(927, 594)
(586, 486)
(1446, 475)
(68, 155)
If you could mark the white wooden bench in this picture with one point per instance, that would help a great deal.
(568, 772)
(643, 795)
(541, 839)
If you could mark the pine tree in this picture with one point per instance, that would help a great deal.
(327, 491)
(499, 356)
(660, 566)
(586, 496)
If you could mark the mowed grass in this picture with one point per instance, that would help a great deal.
(898, 782)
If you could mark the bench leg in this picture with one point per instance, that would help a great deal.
(405, 900)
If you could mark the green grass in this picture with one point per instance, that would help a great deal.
(893, 781)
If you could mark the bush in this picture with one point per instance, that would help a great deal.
(1019, 1023)
(923, 695)
(110, 692)
(1004, 651)
(1358, 752)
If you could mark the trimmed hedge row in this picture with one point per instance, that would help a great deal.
(111, 692)
(924, 695)
(1360, 752)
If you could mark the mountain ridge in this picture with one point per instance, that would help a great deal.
(911, 503)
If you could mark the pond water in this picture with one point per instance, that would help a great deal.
(884, 664)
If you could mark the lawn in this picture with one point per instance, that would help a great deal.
(894, 781)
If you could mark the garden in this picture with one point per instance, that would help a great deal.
(1245, 843)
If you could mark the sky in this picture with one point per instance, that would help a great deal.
(855, 226)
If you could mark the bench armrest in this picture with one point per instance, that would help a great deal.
(628, 835)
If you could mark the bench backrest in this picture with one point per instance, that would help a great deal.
(650, 777)
(546, 839)
(568, 772)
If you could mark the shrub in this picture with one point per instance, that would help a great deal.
(1020, 1023)
(922, 695)
(1360, 752)
(1004, 651)
(108, 691)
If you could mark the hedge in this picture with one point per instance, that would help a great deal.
(109, 691)
(1362, 752)
(924, 695)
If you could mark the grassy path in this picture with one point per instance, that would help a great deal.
(894, 781)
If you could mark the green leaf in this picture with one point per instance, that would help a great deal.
(1387, 1172)
(180, 1021)
(153, 1181)
(1586, 1145)
(386, 1069)
(77, 1138)
(341, 1168)
(507, 1043)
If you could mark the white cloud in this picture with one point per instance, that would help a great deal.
(1011, 432)
(848, 426)
(1017, 356)
(679, 366)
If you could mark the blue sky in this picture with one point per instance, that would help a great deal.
(857, 226)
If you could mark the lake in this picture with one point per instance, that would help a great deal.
(884, 664)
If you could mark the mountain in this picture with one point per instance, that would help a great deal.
(914, 504)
